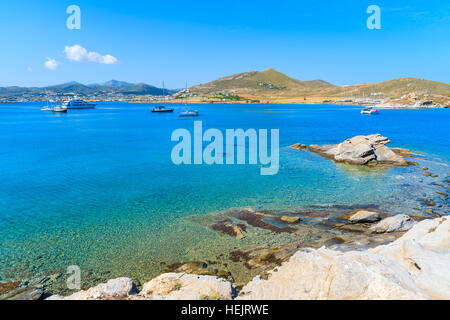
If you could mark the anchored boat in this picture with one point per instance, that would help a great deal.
(78, 104)
(369, 110)
(188, 113)
(59, 109)
(162, 109)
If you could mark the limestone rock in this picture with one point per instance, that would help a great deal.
(425, 252)
(181, 286)
(362, 150)
(326, 274)
(363, 216)
(414, 266)
(113, 289)
(401, 222)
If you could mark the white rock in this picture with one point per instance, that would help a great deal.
(414, 266)
(181, 286)
(425, 252)
(113, 289)
(365, 216)
(401, 222)
(327, 274)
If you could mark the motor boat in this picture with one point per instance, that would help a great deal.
(369, 111)
(162, 109)
(59, 109)
(78, 104)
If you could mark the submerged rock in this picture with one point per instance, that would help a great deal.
(28, 294)
(363, 216)
(362, 150)
(288, 219)
(401, 222)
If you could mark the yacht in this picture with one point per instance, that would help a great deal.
(162, 109)
(188, 113)
(78, 104)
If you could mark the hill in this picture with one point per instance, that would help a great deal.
(273, 86)
(259, 82)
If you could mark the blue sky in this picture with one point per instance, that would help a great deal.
(199, 41)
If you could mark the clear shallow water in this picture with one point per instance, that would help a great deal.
(97, 188)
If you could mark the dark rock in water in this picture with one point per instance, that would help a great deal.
(255, 219)
(429, 202)
(29, 294)
(226, 227)
(426, 174)
(9, 286)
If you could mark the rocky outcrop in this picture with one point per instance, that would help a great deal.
(400, 222)
(414, 266)
(361, 150)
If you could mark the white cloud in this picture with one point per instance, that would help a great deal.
(51, 64)
(30, 69)
(78, 53)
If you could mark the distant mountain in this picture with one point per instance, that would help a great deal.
(70, 87)
(144, 89)
(110, 87)
(115, 83)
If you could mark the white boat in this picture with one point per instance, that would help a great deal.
(188, 113)
(48, 107)
(369, 110)
(78, 104)
(59, 109)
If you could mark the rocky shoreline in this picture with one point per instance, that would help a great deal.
(415, 266)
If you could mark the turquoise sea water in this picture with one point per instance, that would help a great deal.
(97, 188)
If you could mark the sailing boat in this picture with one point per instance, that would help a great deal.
(188, 113)
(162, 109)
(48, 107)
